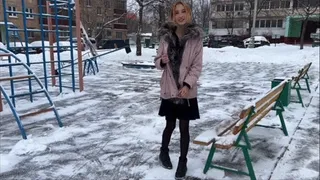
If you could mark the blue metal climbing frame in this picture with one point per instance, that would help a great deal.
(50, 14)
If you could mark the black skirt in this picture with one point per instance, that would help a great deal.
(188, 110)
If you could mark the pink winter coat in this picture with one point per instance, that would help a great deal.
(191, 63)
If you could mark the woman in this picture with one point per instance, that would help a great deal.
(180, 57)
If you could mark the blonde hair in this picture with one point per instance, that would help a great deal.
(186, 7)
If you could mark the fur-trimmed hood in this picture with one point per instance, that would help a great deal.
(193, 31)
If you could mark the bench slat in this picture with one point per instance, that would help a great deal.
(209, 136)
(274, 92)
(260, 116)
(245, 112)
(206, 137)
(238, 126)
(225, 142)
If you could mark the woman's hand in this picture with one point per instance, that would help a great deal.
(184, 91)
(164, 59)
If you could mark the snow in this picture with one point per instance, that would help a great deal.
(112, 130)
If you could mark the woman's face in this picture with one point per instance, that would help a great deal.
(180, 15)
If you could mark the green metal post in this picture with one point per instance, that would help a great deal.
(299, 96)
(307, 82)
(283, 124)
(246, 138)
(248, 162)
(209, 159)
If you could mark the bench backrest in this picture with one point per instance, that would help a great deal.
(261, 107)
(301, 73)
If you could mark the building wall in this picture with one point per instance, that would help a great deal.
(94, 14)
(271, 20)
(17, 19)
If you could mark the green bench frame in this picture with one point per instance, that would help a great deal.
(249, 117)
(302, 74)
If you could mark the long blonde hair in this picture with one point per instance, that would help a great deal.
(187, 8)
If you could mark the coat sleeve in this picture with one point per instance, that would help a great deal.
(196, 65)
(157, 59)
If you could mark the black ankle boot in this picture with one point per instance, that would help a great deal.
(165, 158)
(182, 168)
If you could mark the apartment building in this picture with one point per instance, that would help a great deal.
(94, 14)
(105, 19)
(17, 19)
(275, 19)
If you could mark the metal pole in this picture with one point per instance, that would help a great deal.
(40, 2)
(70, 13)
(251, 44)
(78, 33)
(26, 40)
(50, 36)
(58, 44)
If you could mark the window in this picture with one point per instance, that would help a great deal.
(99, 10)
(109, 33)
(268, 23)
(29, 16)
(285, 4)
(120, 4)
(229, 7)
(88, 2)
(220, 7)
(266, 5)
(228, 24)
(30, 33)
(257, 24)
(220, 24)
(88, 18)
(12, 9)
(274, 23)
(274, 4)
(239, 6)
(119, 35)
(280, 23)
(262, 23)
(107, 4)
(99, 25)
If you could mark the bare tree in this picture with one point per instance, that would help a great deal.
(305, 8)
(250, 11)
(201, 12)
(142, 4)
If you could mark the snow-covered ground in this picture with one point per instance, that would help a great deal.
(112, 130)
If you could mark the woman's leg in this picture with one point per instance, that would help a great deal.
(167, 132)
(166, 137)
(184, 138)
(184, 146)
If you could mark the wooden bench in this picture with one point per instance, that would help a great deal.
(232, 135)
(302, 74)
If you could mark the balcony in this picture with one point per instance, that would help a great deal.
(119, 26)
(119, 11)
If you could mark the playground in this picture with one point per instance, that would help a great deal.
(76, 114)
(112, 131)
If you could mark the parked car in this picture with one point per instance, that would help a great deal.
(2, 46)
(37, 46)
(225, 40)
(258, 41)
(110, 44)
(20, 47)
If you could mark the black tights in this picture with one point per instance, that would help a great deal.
(184, 135)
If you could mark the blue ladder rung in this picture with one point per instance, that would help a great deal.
(16, 77)
(36, 112)
(11, 64)
(28, 93)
